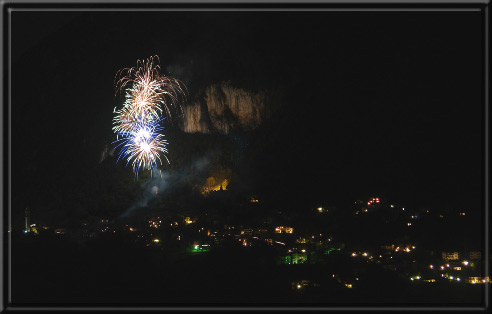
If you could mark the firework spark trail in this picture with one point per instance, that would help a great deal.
(148, 94)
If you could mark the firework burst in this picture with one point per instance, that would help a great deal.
(150, 92)
(148, 95)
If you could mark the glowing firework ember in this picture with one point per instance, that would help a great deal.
(147, 95)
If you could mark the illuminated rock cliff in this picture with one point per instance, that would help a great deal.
(222, 107)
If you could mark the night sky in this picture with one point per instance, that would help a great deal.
(376, 103)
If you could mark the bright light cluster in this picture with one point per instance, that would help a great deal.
(148, 94)
(372, 201)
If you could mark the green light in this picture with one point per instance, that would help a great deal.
(200, 249)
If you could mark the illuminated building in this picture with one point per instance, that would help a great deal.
(475, 255)
(214, 184)
(33, 228)
(200, 248)
(450, 256)
(479, 280)
(328, 251)
(296, 257)
(299, 284)
(282, 229)
(388, 247)
(247, 231)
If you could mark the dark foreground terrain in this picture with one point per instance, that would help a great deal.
(55, 270)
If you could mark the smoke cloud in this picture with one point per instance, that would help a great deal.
(161, 180)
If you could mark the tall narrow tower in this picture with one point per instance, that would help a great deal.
(28, 222)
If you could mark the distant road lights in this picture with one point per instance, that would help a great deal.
(465, 263)
(431, 266)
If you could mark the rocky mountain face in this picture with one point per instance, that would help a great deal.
(222, 107)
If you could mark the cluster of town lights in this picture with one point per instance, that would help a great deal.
(374, 200)
(405, 249)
